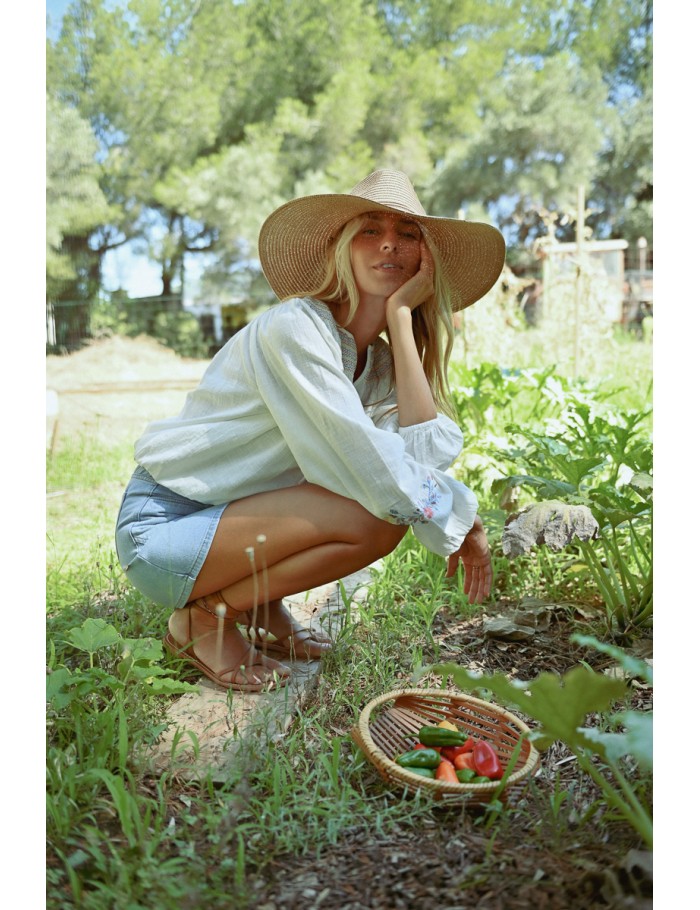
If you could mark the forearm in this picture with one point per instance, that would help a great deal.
(414, 397)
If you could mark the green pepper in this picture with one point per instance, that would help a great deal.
(424, 772)
(419, 758)
(466, 776)
(441, 736)
(480, 779)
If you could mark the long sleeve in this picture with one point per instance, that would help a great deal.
(278, 405)
(338, 446)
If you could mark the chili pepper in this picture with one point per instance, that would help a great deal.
(486, 762)
(439, 736)
(445, 771)
(465, 761)
(424, 772)
(466, 776)
(419, 758)
(451, 752)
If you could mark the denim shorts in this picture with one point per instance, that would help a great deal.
(162, 539)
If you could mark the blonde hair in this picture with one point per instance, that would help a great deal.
(433, 327)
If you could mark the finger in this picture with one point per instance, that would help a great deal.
(452, 563)
(469, 574)
(475, 590)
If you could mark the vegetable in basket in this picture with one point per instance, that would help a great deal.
(486, 762)
(441, 736)
(419, 758)
(422, 772)
(445, 771)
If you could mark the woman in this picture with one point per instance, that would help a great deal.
(311, 443)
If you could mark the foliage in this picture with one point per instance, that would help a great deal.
(535, 436)
(74, 201)
(207, 115)
(561, 707)
(604, 462)
(119, 837)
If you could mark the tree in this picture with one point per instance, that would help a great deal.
(541, 132)
(75, 204)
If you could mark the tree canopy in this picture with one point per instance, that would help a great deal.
(181, 124)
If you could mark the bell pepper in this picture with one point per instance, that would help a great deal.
(480, 779)
(447, 725)
(466, 776)
(451, 752)
(440, 736)
(423, 772)
(465, 761)
(486, 762)
(445, 771)
(419, 758)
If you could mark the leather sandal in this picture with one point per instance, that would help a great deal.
(271, 678)
(300, 643)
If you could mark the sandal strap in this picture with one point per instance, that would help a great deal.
(201, 604)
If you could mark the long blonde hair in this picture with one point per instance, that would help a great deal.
(433, 328)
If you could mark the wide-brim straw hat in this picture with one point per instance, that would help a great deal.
(294, 239)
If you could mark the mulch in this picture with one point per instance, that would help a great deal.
(534, 857)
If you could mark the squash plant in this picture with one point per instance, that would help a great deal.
(601, 461)
(560, 705)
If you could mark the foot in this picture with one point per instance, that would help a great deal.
(218, 650)
(275, 629)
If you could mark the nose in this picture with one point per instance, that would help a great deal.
(389, 241)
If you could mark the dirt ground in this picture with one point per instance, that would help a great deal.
(114, 387)
(543, 857)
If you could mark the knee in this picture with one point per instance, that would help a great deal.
(385, 537)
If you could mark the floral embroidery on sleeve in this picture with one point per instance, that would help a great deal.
(425, 508)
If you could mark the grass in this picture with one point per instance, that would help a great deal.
(121, 839)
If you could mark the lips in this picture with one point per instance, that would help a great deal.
(387, 266)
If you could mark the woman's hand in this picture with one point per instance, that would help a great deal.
(476, 559)
(419, 287)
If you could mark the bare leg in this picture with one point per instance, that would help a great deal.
(312, 536)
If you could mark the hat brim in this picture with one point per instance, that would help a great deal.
(294, 241)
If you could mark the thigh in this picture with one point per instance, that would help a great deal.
(290, 521)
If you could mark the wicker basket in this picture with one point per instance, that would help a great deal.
(389, 725)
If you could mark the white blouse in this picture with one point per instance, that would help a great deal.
(277, 406)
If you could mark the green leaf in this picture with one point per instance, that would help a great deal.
(637, 740)
(633, 665)
(169, 686)
(93, 635)
(559, 704)
(56, 683)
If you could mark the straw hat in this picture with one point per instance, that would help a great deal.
(295, 237)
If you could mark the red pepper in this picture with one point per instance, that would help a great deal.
(486, 762)
(451, 752)
(445, 771)
(465, 761)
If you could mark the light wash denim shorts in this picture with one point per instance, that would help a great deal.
(162, 539)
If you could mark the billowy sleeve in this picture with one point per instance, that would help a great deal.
(337, 445)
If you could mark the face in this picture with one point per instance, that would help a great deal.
(385, 253)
